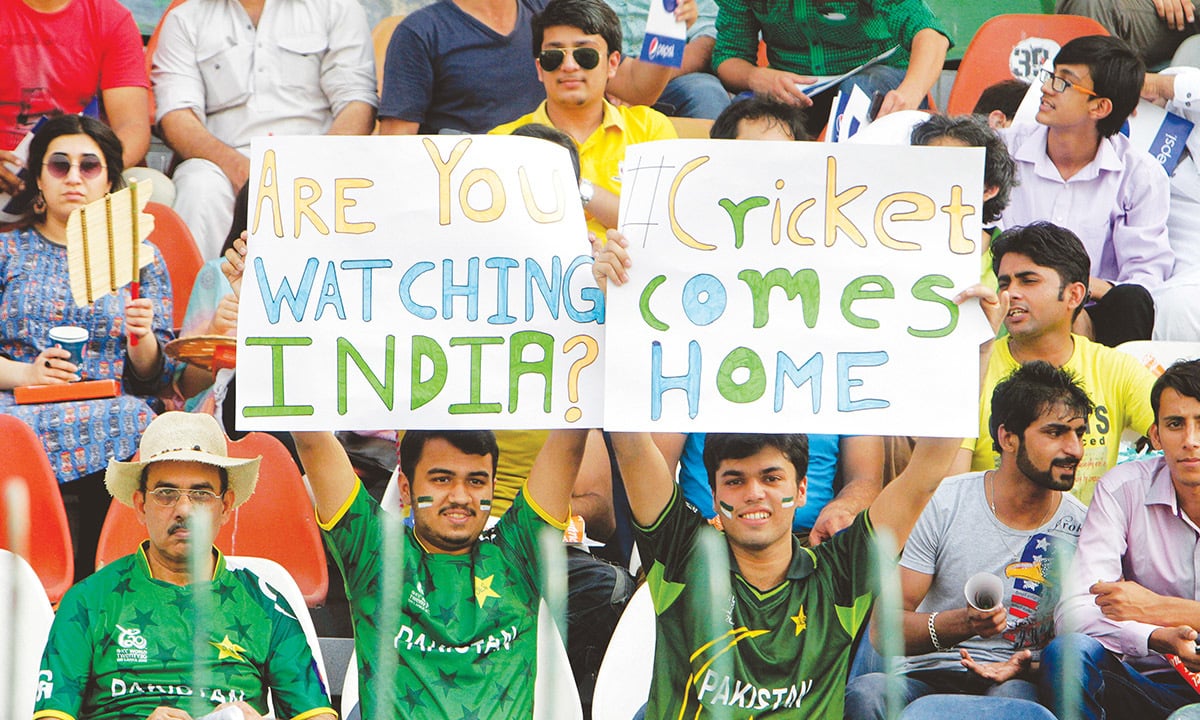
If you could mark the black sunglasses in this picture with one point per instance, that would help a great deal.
(585, 57)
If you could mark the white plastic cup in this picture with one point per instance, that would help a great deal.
(72, 339)
(984, 592)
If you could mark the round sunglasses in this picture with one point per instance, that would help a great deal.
(585, 57)
(59, 166)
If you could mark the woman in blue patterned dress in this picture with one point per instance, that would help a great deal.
(75, 160)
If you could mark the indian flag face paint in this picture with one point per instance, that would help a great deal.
(726, 510)
(789, 502)
(485, 504)
(424, 501)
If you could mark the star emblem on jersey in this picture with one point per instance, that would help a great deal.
(229, 649)
(483, 590)
(800, 620)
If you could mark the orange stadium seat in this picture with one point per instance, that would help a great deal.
(987, 59)
(173, 239)
(277, 522)
(381, 36)
(49, 545)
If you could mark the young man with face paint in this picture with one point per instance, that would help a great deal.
(463, 626)
(750, 624)
(1016, 522)
(1131, 596)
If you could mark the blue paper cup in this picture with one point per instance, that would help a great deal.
(72, 339)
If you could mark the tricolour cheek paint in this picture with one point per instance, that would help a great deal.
(727, 510)
(789, 502)
(485, 504)
(424, 501)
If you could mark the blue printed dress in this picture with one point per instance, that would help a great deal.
(80, 437)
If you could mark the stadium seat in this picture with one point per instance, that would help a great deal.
(381, 36)
(277, 522)
(990, 57)
(623, 684)
(691, 127)
(24, 625)
(49, 546)
(273, 578)
(963, 19)
(151, 46)
(173, 239)
(555, 696)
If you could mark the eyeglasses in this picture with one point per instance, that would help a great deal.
(585, 57)
(168, 496)
(1060, 84)
(59, 165)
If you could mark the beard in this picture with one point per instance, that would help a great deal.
(1048, 478)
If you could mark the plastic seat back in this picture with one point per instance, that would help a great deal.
(277, 522)
(381, 35)
(174, 240)
(278, 580)
(623, 683)
(49, 545)
(25, 619)
(1012, 46)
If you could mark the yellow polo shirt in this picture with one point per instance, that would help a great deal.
(600, 156)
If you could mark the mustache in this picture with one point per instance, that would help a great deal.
(1065, 462)
(458, 507)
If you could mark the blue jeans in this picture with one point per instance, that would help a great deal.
(866, 694)
(942, 707)
(1110, 688)
(693, 95)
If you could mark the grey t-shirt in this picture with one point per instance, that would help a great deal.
(958, 536)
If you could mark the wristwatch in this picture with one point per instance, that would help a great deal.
(586, 191)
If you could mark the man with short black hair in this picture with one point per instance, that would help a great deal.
(759, 118)
(121, 643)
(1017, 523)
(466, 621)
(1076, 170)
(1044, 269)
(1131, 598)
(577, 48)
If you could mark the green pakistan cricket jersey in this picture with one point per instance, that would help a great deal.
(121, 645)
(464, 642)
(782, 653)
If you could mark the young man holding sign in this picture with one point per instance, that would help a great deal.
(1014, 527)
(789, 614)
(459, 636)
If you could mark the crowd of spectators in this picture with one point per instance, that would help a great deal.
(1088, 243)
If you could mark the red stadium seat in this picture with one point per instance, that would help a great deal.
(173, 239)
(49, 545)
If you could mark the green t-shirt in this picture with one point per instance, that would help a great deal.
(121, 645)
(465, 638)
(780, 653)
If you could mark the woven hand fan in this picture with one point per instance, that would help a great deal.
(104, 243)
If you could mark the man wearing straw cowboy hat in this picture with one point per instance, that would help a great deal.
(122, 641)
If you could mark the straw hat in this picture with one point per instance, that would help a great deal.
(186, 437)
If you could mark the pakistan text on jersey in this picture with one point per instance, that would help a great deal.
(723, 690)
(481, 647)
